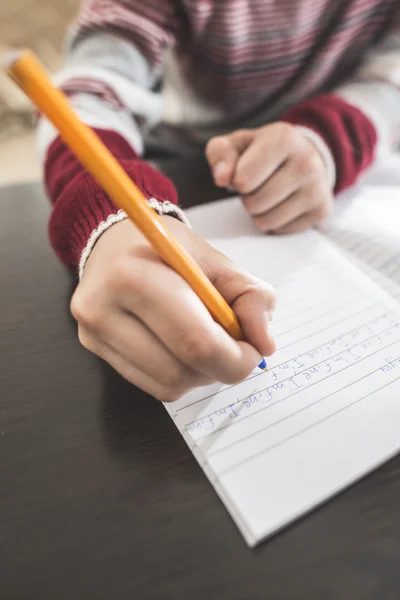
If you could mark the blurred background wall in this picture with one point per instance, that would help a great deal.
(40, 25)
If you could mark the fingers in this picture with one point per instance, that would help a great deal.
(125, 334)
(142, 318)
(271, 148)
(165, 391)
(252, 299)
(253, 302)
(279, 173)
(306, 221)
(152, 368)
(222, 153)
(297, 188)
(181, 320)
(146, 310)
(124, 367)
(250, 308)
(304, 209)
(285, 182)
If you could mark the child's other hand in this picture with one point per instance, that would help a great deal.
(279, 173)
(142, 318)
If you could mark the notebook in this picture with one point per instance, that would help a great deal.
(328, 411)
(366, 225)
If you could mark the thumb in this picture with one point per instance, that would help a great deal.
(251, 299)
(222, 153)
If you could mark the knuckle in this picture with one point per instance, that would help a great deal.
(218, 143)
(287, 133)
(264, 293)
(270, 296)
(169, 394)
(229, 276)
(121, 276)
(248, 202)
(242, 133)
(130, 278)
(255, 203)
(198, 347)
(78, 306)
(85, 310)
(240, 373)
(309, 160)
(261, 224)
(86, 340)
(311, 198)
(174, 377)
(242, 181)
(309, 164)
(323, 210)
(316, 163)
(235, 378)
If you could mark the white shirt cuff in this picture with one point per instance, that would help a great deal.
(324, 151)
(161, 208)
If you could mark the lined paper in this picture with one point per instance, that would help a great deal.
(367, 226)
(327, 412)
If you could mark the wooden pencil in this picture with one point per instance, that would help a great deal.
(28, 73)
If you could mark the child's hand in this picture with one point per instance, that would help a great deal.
(142, 318)
(279, 173)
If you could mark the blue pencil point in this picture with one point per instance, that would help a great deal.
(263, 365)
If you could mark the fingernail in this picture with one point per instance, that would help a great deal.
(219, 169)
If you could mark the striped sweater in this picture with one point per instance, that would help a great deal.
(212, 66)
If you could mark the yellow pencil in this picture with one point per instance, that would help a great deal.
(27, 72)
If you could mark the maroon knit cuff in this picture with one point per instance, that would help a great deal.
(80, 204)
(349, 134)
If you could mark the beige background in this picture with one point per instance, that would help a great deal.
(40, 25)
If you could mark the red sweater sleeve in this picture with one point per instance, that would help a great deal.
(79, 204)
(348, 133)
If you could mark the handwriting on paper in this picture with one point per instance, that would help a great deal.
(318, 364)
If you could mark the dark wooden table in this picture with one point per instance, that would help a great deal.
(101, 499)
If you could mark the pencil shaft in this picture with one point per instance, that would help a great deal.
(31, 77)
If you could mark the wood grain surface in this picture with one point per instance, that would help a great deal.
(99, 496)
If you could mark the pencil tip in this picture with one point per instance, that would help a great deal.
(263, 365)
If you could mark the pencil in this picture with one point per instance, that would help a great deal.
(28, 73)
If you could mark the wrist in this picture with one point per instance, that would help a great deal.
(81, 207)
(165, 208)
(347, 132)
(323, 150)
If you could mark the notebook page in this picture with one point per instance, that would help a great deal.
(327, 412)
(222, 219)
(384, 282)
(367, 225)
